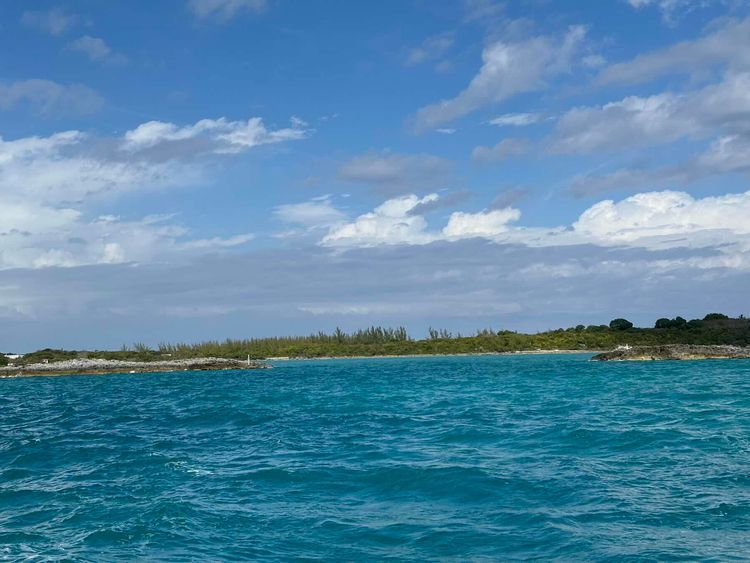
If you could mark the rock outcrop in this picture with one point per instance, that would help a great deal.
(98, 366)
(675, 352)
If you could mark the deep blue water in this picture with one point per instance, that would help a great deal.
(438, 458)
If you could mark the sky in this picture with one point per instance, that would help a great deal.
(190, 170)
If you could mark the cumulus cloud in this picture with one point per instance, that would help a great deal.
(486, 224)
(54, 21)
(507, 69)
(393, 172)
(389, 223)
(651, 220)
(656, 214)
(225, 10)
(50, 99)
(96, 49)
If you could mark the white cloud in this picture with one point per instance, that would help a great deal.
(445, 130)
(220, 135)
(729, 153)
(651, 220)
(65, 238)
(399, 221)
(485, 224)
(727, 47)
(50, 186)
(96, 49)
(49, 98)
(310, 214)
(55, 21)
(224, 10)
(508, 69)
(389, 223)
(67, 167)
(218, 242)
(671, 10)
(516, 119)
(501, 151)
(638, 121)
(642, 217)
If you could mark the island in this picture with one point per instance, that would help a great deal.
(716, 335)
(98, 366)
(674, 352)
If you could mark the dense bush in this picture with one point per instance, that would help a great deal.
(3, 360)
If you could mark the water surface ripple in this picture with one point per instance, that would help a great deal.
(418, 458)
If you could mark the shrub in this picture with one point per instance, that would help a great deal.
(663, 323)
(3, 360)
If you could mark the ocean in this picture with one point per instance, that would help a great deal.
(443, 458)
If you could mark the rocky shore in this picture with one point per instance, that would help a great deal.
(675, 352)
(100, 367)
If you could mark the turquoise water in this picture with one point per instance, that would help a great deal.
(437, 458)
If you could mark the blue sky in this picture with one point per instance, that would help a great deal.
(195, 169)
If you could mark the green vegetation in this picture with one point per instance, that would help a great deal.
(620, 324)
(3, 360)
(376, 341)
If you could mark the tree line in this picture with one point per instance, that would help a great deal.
(714, 328)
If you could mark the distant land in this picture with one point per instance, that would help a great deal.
(713, 329)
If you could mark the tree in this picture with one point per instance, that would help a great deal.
(715, 317)
(663, 323)
(3, 360)
(620, 324)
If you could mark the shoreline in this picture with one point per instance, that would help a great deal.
(439, 355)
(115, 367)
